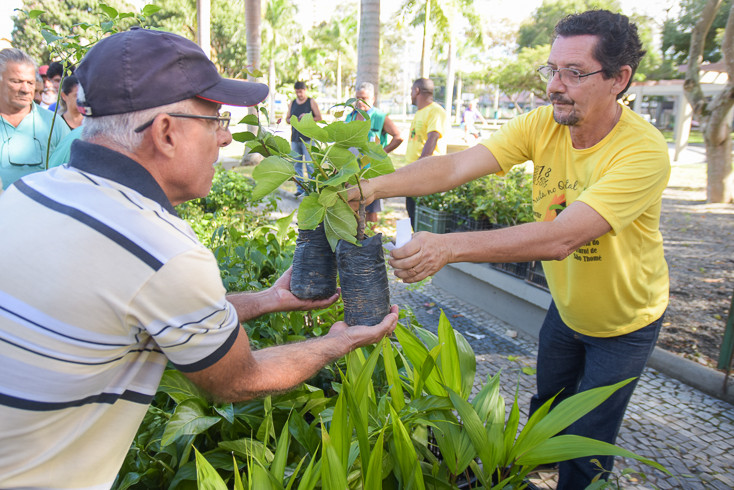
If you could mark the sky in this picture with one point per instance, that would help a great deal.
(513, 10)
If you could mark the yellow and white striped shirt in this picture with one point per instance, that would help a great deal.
(100, 285)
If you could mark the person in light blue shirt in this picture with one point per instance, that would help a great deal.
(62, 152)
(24, 126)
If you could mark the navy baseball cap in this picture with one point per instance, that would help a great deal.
(141, 69)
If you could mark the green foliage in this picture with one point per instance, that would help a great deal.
(501, 200)
(65, 30)
(677, 32)
(400, 416)
(539, 29)
(342, 156)
(518, 74)
(228, 36)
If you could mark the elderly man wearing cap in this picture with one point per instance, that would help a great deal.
(103, 284)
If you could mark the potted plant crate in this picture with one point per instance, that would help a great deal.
(331, 235)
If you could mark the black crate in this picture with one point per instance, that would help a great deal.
(465, 223)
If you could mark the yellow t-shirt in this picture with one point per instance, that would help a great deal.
(430, 118)
(617, 283)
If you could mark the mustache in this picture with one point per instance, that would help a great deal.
(559, 98)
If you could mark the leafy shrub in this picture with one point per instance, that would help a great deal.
(500, 200)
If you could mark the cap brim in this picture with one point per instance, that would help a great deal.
(235, 92)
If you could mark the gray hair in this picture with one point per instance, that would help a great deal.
(14, 55)
(119, 129)
(367, 86)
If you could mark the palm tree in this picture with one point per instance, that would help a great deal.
(368, 46)
(335, 41)
(278, 35)
(445, 17)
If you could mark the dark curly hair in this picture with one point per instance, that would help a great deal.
(619, 43)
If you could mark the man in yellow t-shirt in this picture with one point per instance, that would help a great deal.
(427, 131)
(599, 174)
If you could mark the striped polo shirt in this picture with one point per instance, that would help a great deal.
(100, 285)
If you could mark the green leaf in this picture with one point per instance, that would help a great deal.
(311, 475)
(333, 476)
(563, 447)
(277, 467)
(283, 224)
(342, 175)
(340, 224)
(250, 120)
(328, 197)
(189, 418)
(247, 447)
(237, 477)
(411, 475)
(49, 37)
(308, 127)
(33, 14)
(270, 174)
(108, 11)
(373, 477)
(310, 212)
(340, 431)
(150, 9)
(176, 385)
(391, 375)
(206, 476)
(243, 136)
(564, 414)
(278, 143)
(449, 358)
(340, 157)
(348, 134)
(474, 429)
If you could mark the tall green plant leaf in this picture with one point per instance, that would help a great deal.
(563, 447)
(391, 375)
(333, 476)
(310, 212)
(373, 478)
(564, 414)
(280, 460)
(410, 471)
(340, 431)
(207, 477)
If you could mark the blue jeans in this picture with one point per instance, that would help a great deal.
(300, 153)
(569, 362)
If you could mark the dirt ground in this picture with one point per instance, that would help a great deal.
(699, 248)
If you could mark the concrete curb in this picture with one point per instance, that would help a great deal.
(708, 380)
(507, 299)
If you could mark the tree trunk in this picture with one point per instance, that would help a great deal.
(715, 116)
(203, 26)
(252, 27)
(339, 93)
(451, 66)
(459, 89)
(271, 89)
(368, 46)
(425, 53)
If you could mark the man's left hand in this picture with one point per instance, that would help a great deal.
(424, 255)
(287, 301)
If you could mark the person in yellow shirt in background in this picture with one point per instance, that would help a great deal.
(599, 173)
(427, 131)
